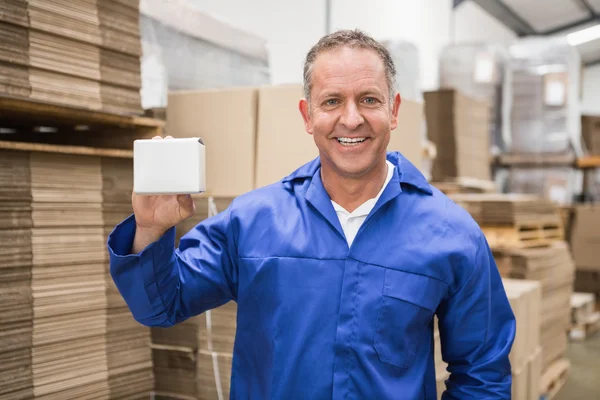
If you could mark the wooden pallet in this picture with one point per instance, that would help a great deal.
(583, 331)
(523, 235)
(26, 120)
(554, 378)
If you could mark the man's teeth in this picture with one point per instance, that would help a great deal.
(351, 141)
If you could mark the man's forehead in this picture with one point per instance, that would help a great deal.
(348, 59)
(349, 66)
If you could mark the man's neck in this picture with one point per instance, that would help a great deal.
(351, 192)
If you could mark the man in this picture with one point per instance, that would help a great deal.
(339, 268)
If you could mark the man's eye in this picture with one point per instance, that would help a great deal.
(370, 100)
(331, 102)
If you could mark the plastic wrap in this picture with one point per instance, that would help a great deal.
(406, 59)
(185, 49)
(559, 184)
(542, 97)
(477, 70)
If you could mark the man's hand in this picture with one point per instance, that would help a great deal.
(154, 215)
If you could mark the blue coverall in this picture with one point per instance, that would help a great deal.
(319, 320)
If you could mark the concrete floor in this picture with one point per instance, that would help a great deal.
(584, 378)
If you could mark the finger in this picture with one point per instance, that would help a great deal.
(157, 137)
(168, 137)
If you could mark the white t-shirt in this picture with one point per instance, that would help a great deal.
(351, 222)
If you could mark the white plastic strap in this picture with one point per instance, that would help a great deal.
(212, 211)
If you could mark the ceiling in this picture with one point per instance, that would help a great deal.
(546, 18)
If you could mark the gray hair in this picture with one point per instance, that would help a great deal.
(353, 39)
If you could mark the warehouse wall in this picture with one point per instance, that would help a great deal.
(472, 23)
(426, 23)
(591, 91)
(290, 28)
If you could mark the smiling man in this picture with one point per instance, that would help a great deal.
(339, 269)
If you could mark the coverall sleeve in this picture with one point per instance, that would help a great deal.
(163, 285)
(477, 330)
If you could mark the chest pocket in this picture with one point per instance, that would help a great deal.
(406, 309)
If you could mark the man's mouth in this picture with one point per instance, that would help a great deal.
(351, 141)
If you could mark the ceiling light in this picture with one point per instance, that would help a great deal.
(584, 35)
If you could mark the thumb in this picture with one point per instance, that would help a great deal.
(187, 205)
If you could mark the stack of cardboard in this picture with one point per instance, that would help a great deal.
(513, 220)
(526, 354)
(83, 54)
(129, 356)
(553, 267)
(68, 282)
(590, 132)
(194, 358)
(14, 11)
(16, 329)
(14, 59)
(584, 240)
(120, 58)
(458, 125)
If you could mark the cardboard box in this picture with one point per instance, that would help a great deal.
(520, 383)
(519, 352)
(459, 127)
(535, 375)
(226, 121)
(283, 144)
(585, 239)
(407, 137)
(525, 299)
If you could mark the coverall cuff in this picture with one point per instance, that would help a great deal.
(121, 238)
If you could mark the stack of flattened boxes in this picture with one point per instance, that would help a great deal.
(458, 125)
(525, 235)
(129, 356)
(83, 54)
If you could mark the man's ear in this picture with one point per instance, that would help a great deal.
(304, 110)
(395, 108)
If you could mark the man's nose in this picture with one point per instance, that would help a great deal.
(351, 117)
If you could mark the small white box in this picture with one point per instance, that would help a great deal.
(168, 166)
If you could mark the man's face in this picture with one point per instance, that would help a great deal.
(350, 115)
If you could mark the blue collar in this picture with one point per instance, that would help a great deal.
(408, 174)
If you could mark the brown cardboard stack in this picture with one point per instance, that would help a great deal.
(553, 267)
(68, 282)
(14, 11)
(185, 355)
(584, 242)
(513, 220)
(526, 354)
(120, 58)
(590, 132)
(14, 59)
(584, 237)
(458, 125)
(16, 313)
(64, 57)
(267, 140)
(83, 54)
(129, 356)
